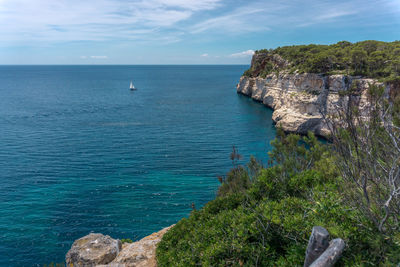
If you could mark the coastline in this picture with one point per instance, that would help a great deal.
(299, 101)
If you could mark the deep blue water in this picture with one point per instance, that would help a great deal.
(79, 152)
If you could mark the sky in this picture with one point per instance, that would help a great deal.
(182, 31)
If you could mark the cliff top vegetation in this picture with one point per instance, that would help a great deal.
(374, 59)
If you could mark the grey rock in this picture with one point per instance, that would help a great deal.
(318, 243)
(141, 253)
(92, 250)
(97, 250)
(331, 254)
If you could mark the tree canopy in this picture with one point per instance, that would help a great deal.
(374, 59)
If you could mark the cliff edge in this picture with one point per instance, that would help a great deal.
(301, 100)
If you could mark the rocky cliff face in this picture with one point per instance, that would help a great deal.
(299, 100)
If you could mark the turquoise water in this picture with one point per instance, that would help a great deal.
(79, 152)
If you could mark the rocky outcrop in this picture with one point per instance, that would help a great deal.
(92, 250)
(299, 100)
(141, 253)
(97, 250)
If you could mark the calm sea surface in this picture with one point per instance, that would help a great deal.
(80, 153)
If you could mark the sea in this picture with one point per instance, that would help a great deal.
(81, 153)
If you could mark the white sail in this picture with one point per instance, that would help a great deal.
(132, 87)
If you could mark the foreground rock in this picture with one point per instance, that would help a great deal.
(93, 249)
(141, 253)
(320, 252)
(318, 243)
(97, 250)
(331, 255)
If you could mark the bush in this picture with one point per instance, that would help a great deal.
(237, 180)
(269, 220)
(373, 59)
(368, 145)
(126, 240)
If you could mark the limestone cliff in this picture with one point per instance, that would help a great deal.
(299, 100)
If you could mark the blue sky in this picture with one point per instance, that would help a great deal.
(181, 31)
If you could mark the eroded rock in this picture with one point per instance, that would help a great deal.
(299, 100)
(141, 253)
(92, 250)
(97, 250)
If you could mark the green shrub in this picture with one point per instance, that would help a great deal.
(126, 240)
(247, 73)
(266, 221)
(373, 59)
(237, 180)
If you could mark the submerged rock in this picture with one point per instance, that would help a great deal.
(92, 250)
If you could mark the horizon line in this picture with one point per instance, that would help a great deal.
(227, 64)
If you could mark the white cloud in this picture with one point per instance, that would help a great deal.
(329, 14)
(94, 57)
(96, 20)
(193, 5)
(204, 55)
(262, 16)
(99, 57)
(247, 53)
(336, 14)
(239, 20)
(169, 21)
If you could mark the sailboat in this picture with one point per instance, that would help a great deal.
(132, 87)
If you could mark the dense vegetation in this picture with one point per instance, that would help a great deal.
(264, 216)
(373, 59)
